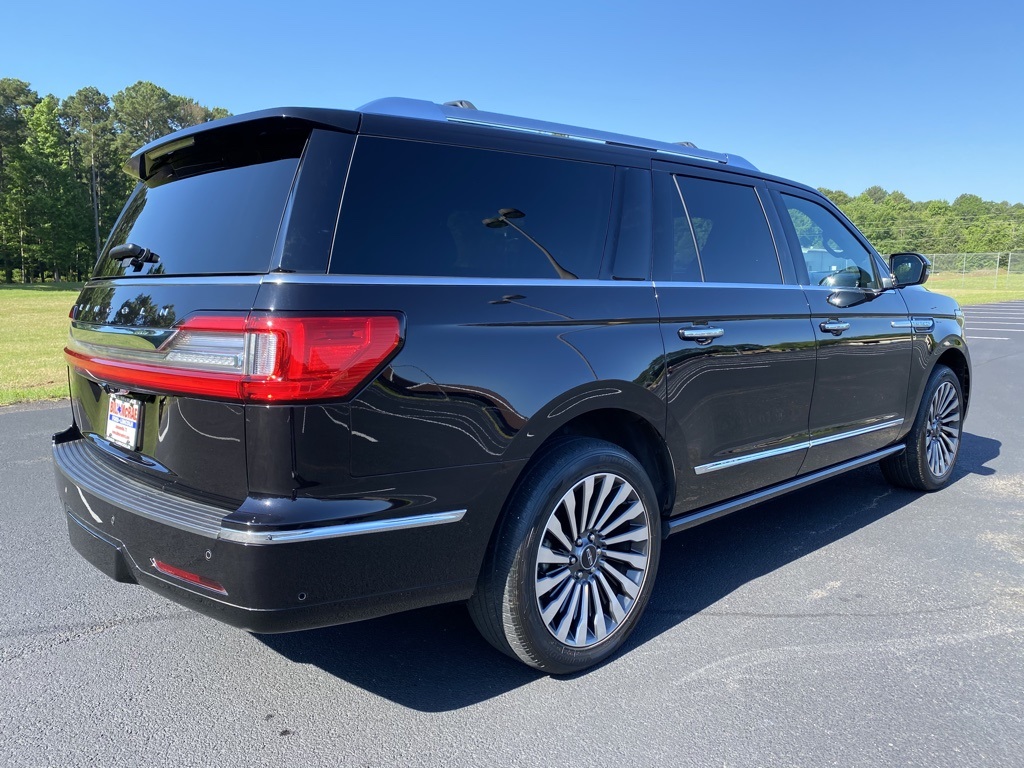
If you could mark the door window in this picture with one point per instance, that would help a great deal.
(834, 257)
(731, 232)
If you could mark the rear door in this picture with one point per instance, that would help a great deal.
(738, 339)
(864, 334)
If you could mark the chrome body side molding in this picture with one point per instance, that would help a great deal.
(725, 463)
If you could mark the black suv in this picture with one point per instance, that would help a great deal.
(337, 364)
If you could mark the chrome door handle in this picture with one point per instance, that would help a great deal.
(701, 334)
(835, 327)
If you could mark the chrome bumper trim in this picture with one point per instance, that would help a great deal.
(337, 531)
(77, 462)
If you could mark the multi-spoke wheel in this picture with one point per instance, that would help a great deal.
(933, 443)
(592, 559)
(942, 433)
(573, 564)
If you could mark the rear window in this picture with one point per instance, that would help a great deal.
(217, 211)
(427, 209)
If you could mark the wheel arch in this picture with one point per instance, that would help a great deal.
(955, 359)
(634, 432)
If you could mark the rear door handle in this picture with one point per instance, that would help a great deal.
(835, 327)
(701, 334)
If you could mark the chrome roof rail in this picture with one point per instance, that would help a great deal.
(427, 110)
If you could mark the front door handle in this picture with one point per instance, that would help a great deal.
(835, 327)
(702, 334)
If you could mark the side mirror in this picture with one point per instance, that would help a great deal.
(909, 268)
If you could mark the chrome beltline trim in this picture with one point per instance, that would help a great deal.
(725, 463)
(337, 531)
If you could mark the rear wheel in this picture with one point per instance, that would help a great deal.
(933, 443)
(572, 566)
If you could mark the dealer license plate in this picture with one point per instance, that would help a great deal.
(124, 419)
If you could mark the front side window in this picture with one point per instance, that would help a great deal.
(834, 257)
(731, 232)
(413, 208)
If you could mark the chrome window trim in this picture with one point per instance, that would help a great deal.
(338, 531)
(309, 278)
(773, 452)
(689, 224)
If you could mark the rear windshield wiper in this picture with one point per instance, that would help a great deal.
(136, 253)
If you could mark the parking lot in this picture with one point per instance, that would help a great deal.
(848, 624)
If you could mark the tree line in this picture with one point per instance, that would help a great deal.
(894, 223)
(61, 179)
(62, 187)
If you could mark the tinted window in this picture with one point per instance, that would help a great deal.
(733, 239)
(633, 244)
(426, 209)
(224, 221)
(673, 234)
(834, 257)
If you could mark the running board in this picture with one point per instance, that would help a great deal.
(678, 524)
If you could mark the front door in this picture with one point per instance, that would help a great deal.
(864, 336)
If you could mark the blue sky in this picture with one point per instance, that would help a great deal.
(926, 99)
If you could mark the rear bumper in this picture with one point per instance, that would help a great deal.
(317, 564)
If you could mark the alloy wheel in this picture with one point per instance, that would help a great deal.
(592, 560)
(942, 433)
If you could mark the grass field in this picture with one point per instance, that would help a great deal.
(33, 329)
(34, 326)
(978, 287)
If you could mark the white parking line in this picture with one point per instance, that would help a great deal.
(991, 338)
(1001, 330)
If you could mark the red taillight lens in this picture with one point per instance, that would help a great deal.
(191, 578)
(262, 357)
(316, 358)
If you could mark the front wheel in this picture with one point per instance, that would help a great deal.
(572, 565)
(933, 443)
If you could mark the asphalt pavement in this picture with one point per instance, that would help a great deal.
(849, 624)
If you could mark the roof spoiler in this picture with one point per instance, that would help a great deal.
(144, 160)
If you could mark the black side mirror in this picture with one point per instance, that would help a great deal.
(909, 268)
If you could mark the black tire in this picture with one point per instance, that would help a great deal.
(933, 443)
(534, 558)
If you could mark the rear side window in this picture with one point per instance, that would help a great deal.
(731, 232)
(206, 217)
(413, 208)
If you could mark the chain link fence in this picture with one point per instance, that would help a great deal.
(1000, 269)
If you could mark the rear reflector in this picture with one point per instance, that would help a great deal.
(191, 578)
(261, 357)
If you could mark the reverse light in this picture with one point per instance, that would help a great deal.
(260, 357)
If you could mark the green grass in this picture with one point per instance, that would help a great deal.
(34, 327)
(33, 330)
(980, 287)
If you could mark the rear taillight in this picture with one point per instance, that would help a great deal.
(261, 357)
